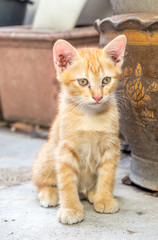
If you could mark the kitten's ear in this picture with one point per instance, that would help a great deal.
(64, 54)
(116, 49)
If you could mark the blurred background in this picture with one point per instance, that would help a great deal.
(29, 28)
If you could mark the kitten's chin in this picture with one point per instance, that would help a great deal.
(95, 108)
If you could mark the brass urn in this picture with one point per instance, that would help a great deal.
(138, 87)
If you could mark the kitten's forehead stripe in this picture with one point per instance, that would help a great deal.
(92, 62)
(100, 65)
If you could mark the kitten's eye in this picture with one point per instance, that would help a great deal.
(106, 80)
(82, 81)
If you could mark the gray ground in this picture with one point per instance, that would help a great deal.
(21, 217)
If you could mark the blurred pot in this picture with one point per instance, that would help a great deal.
(28, 85)
(139, 89)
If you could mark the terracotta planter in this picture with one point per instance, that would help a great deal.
(139, 90)
(28, 85)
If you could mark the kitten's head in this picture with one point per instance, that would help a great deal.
(88, 76)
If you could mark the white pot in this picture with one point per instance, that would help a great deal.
(58, 14)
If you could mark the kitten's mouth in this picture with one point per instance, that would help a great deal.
(96, 103)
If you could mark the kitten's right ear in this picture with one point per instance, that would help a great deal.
(64, 54)
(115, 50)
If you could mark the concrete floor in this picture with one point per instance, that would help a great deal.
(21, 217)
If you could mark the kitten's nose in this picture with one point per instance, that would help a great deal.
(97, 98)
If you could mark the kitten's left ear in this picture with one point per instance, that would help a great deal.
(64, 54)
(116, 49)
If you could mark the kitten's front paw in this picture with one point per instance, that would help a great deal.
(106, 206)
(70, 216)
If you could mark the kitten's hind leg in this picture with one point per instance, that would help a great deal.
(48, 196)
(44, 177)
(91, 195)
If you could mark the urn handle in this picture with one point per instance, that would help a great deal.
(97, 25)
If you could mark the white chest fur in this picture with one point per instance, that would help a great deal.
(100, 123)
(91, 123)
(89, 154)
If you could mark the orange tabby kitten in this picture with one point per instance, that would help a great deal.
(81, 154)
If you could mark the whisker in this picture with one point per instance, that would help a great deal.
(122, 104)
